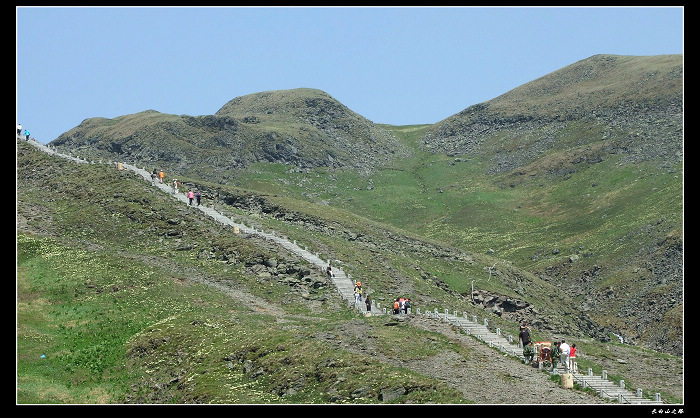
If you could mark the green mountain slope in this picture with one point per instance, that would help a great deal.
(565, 193)
(126, 296)
(304, 128)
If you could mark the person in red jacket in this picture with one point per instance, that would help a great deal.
(572, 358)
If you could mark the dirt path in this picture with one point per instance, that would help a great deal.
(484, 377)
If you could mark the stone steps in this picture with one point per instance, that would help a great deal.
(600, 384)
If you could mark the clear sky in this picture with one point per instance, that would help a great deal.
(393, 65)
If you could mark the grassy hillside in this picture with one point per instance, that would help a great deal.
(576, 178)
(304, 128)
(604, 218)
(564, 196)
(124, 297)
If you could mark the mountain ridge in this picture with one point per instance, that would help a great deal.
(525, 140)
(302, 127)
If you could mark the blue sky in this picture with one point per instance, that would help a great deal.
(393, 65)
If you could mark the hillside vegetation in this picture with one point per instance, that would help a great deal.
(304, 128)
(560, 203)
(574, 179)
(125, 296)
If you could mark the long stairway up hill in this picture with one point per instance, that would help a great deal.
(342, 282)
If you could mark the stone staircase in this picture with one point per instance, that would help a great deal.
(343, 283)
(609, 390)
(509, 345)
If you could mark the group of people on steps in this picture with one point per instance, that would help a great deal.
(159, 176)
(401, 305)
(357, 291)
(155, 176)
(19, 132)
(560, 353)
(358, 298)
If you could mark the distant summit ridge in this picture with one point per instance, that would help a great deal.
(301, 127)
(601, 98)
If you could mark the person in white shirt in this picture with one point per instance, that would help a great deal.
(565, 349)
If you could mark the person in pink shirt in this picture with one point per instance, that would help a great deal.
(190, 195)
(572, 358)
